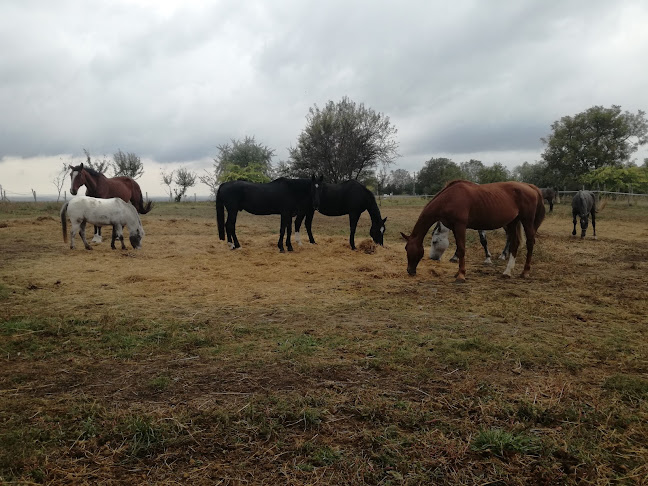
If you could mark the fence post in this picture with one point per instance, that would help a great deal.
(34, 193)
(65, 195)
(629, 194)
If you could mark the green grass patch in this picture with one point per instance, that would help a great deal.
(500, 442)
(628, 386)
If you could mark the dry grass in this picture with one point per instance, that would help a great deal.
(187, 362)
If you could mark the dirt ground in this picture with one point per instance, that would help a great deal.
(188, 362)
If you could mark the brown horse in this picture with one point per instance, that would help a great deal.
(464, 204)
(100, 186)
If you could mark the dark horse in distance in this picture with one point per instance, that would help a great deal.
(584, 204)
(462, 204)
(550, 195)
(287, 197)
(102, 187)
(350, 198)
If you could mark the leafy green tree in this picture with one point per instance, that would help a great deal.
(622, 178)
(471, 170)
(243, 158)
(597, 137)
(493, 173)
(435, 173)
(127, 164)
(343, 141)
(537, 173)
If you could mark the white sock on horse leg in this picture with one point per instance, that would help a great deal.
(509, 266)
(298, 238)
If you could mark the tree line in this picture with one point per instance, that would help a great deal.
(347, 140)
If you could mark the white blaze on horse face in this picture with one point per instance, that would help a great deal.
(74, 176)
(509, 266)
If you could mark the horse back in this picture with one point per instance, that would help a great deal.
(273, 197)
(345, 198)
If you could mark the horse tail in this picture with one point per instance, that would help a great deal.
(220, 214)
(64, 220)
(540, 212)
(138, 200)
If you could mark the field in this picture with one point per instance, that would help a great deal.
(186, 362)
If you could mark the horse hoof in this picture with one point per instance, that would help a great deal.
(505, 275)
(524, 275)
(460, 280)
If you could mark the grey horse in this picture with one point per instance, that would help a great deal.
(440, 244)
(584, 204)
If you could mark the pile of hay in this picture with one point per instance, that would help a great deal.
(367, 246)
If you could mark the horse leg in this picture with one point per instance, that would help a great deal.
(298, 221)
(82, 227)
(460, 238)
(309, 224)
(97, 235)
(288, 231)
(551, 205)
(484, 243)
(529, 232)
(506, 249)
(230, 229)
(113, 237)
(353, 224)
(574, 216)
(514, 243)
(594, 223)
(120, 235)
(74, 229)
(282, 230)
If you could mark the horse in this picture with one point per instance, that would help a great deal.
(584, 204)
(101, 212)
(550, 195)
(287, 197)
(100, 186)
(350, 198)
(440, 243)
(464, 204)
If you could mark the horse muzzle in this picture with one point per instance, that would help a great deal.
(73, 192)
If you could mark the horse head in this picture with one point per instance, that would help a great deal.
(414, 249)
(77, 178)
(377, 232)
(584, 222)
(440, 241)
(316, 190)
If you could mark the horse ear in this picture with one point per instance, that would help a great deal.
(405, 237)
(321, 178)
(81, 166)
(313, 177)
(384, 220)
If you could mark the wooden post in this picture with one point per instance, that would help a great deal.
(65, 195)
(34, 193)
(194, 197)
(629, 194)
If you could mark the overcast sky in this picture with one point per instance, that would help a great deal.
(171, 80)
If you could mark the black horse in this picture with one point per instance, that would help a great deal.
(584, 204)
(287, 197)
(550, 195)
(350, 198)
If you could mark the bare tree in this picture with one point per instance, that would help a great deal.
(100, 166)
(167, 180)
(59, 180)
(210, 179)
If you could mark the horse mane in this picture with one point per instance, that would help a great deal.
(89, 170)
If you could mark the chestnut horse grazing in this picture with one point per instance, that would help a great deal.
(463, 204)
(102, 187)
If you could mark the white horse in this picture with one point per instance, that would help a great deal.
(440, 244)
(102, 212)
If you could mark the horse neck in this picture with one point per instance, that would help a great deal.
(93, 184)
(426, 219)
(373, 210)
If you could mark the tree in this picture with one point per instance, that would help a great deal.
(184, 179)
(243, 158)
(128, 164)
(597, 137)
(59, 180)
(471, 170)
(537, 173)
(435, 173)
(494, 173)
(619, 178)
(167, 180)
(210, 179)
(343, 141)
(100, 166)
(400, 181)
